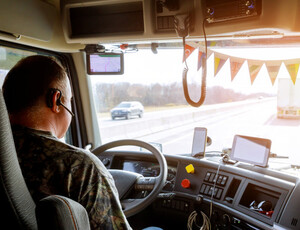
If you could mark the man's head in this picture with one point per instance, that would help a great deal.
(28, 90)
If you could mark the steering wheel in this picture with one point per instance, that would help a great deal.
(126, 181)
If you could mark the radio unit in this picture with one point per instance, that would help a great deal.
(220, 10)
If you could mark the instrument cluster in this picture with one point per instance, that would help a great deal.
(151, 169)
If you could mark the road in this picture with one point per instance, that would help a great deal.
(257, 119)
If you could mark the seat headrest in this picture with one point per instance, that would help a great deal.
(61, 213)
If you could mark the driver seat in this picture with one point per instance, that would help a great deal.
(17, 208)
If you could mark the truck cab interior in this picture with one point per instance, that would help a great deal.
(214, 140)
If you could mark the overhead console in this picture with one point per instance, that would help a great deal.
(33, 20)
(99, 21)
(133, 21)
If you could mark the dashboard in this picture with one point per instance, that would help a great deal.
(243, 196)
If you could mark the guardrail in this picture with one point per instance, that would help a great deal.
(171, 119)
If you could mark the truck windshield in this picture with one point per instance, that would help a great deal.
(249, 92)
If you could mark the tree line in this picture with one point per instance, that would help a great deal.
(109, 95)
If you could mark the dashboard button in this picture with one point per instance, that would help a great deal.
(207, 176)
(206, 191)
(210, 191)
(185, 183)
(220, 178)
(216, 191)
(190, 169)
(219, 194)
(212, 177)
(224, 180)
(203, 187)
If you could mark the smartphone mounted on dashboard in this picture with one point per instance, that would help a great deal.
(199, 142)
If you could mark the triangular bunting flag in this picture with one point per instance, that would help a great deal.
(254, 68)
(273, 70)
(273, 66)
(188, 50)
(209, 53)
(293, 71)
(219, 62)
(201, 55)
(211, 43)
(234, 68)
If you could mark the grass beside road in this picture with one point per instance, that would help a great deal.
(150, 109)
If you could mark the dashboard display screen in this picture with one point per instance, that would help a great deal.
(251, 150)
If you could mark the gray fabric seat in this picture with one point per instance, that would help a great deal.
(61, 213)
(17, 208)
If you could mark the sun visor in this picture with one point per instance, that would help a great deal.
(30, 18)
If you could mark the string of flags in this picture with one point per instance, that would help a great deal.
(236, 63)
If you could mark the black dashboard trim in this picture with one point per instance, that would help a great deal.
(264, 177)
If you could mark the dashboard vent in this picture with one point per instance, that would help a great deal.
(294, 222)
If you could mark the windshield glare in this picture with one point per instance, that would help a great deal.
(239, 105)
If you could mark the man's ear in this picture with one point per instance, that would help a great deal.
(55, 98)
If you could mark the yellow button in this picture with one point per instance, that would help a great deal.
(190, 169)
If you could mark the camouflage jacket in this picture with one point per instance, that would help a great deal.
(50, 167)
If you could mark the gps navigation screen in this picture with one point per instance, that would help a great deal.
(107, 63)
(251, 150)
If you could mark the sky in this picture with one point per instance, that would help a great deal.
(145, 67)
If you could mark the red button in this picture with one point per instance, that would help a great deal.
(185, 183)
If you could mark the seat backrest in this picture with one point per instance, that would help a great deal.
(17, 208)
